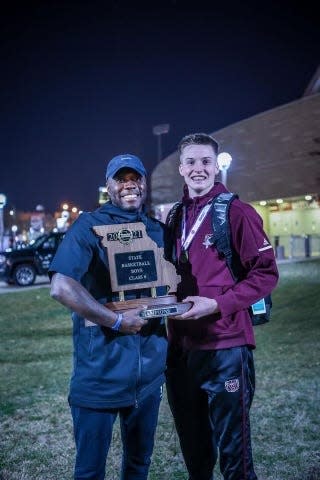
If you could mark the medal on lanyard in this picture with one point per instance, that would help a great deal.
(185, 242)
(183, 257)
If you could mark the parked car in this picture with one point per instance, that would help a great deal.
(21, 266)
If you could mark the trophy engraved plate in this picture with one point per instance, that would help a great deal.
(165, 311)
(136, 262)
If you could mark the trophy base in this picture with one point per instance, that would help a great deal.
(163, 306)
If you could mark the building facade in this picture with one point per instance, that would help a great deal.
(275, 167)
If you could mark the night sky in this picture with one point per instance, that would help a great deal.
(83, 81)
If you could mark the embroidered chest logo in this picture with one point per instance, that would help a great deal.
(232, 385)
(207, 242)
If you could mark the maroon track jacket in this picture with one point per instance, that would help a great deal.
(208, 276)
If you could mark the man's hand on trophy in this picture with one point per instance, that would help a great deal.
(132, 322)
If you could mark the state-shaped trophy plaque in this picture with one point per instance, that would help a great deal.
(136, 262)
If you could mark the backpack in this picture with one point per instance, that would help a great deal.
(221, 239)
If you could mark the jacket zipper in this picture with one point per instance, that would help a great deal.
(136, 403)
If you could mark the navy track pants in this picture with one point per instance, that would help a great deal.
(93, 434)
(210, 394)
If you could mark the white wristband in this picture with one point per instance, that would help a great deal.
(116, 326)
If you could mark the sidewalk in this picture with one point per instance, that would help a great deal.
(41, 281)
(297, 259)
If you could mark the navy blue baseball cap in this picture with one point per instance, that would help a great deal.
(125, 161)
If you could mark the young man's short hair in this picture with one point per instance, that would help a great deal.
(198, 139)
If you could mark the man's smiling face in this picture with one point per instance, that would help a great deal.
(199, 167)
(127, 189)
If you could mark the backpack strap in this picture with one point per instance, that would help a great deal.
(174, 215)
(222, 240)
(221, 237)
(172, 221)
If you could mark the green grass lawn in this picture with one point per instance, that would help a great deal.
(35, 358)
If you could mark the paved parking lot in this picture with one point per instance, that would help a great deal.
(41, 281)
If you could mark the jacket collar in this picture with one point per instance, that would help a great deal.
(123, 216)
(217, 188)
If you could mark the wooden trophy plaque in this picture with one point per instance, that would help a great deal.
(136, 262)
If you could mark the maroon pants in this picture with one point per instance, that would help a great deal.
(210, 394)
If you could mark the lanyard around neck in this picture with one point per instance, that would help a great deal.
(185, 242)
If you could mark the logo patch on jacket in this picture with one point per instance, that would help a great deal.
(232, 385)
(266, 246)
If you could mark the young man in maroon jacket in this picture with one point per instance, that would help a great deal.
(210, 373)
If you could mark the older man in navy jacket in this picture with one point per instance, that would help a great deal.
(119, 359)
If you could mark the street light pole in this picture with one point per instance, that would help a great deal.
(159, 149)
(3, 201)
(224, 160)
(159, 130)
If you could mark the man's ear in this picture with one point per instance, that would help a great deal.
(217, 168)
(181, 169)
